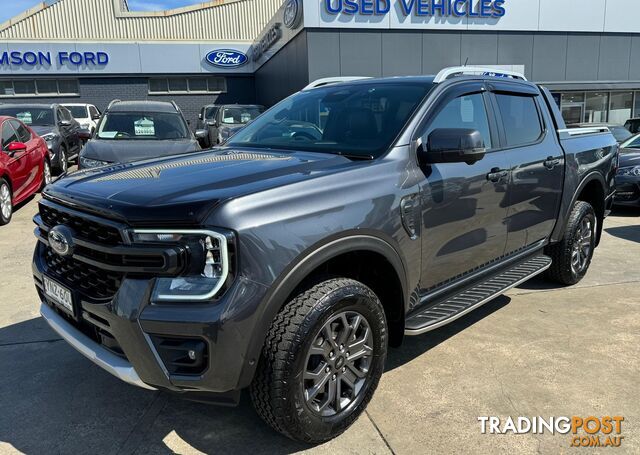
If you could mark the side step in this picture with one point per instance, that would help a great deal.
(452, 308)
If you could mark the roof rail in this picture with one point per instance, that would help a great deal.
(112, 103)
(455, 71)
(333, 80)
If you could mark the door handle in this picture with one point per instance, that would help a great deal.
(551, 162)
(497, 174)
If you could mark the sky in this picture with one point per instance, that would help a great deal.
(11, 8)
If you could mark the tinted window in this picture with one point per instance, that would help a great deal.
(467, 112)
(210, 112)
(78, 111)
(360, 119)
(8, 135)
(520, 118)
(141, 125)
(23, 133)
(30, 116)
(94, 111)
(239, 115)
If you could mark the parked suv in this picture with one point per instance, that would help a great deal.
(226, 120)
(206, 119)
(55, 124)
(137, 130)
(287, 263)
(86, 114)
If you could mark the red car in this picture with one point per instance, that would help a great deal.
(24, 165)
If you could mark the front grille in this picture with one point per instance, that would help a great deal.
(91, 281)
(85, 228)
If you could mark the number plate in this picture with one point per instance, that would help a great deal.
(59, 294)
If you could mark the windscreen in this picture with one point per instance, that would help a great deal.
(30, 116)
(359, 119)
(239, 115)
(78, 111)
(142, 126)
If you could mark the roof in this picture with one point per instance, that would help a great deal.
(111, 20)
(145, 106)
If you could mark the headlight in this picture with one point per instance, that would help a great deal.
(89, 163)
(631, 171)
(49, 137)
(206, 272)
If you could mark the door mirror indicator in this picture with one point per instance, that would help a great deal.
(201, 134)
(452, 145)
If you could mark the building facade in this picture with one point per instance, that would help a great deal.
(225, 51)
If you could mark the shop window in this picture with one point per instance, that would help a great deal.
(68, 86)
(620, 107)
(596, 107)
(39, 87)
(198, 84)
(636, 110)
(24, 87)
(177, 84)
(186, 85)
(47, 86)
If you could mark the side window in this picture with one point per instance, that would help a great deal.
(520, 118)
(464, 112)
(23, 133)
(93, 111)
(9, 135)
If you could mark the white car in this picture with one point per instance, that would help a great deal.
(86, 114)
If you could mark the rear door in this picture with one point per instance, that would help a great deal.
(17, 162)
(463, 205)
(535, 160)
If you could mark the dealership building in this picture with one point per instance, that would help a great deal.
(259, 51)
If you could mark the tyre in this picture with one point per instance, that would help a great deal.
(6, 202)
(46, 174)
(63, 160)
(572, 256)
(322, 360)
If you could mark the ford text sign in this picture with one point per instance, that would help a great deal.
(227, 58)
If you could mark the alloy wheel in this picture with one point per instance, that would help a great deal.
(5, 201)
(582, 246)
(337, 363)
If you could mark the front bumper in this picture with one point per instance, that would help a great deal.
(93, 351)
(114, 324)
(627, 191)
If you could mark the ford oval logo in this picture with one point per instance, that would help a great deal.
(61, 240)
(227, 58)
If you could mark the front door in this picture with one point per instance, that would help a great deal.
(17, 163)
(463, 205)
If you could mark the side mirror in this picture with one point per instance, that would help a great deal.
(213, 123)
(84, 134)
(65, 123)
(95, 117)
(200, 116)
(16, 147)
(453, 145)
(201, 134)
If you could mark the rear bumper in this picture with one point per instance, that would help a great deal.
(93, 351)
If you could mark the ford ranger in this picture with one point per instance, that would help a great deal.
(344, 218)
